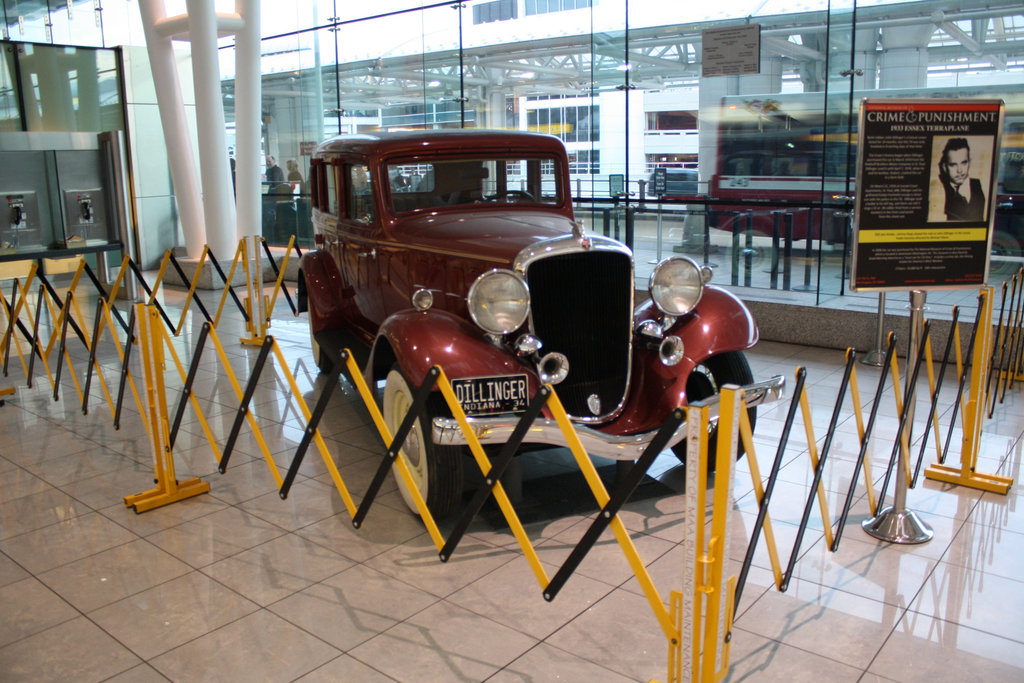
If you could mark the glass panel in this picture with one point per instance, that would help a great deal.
(836, 124)
(79, 24)
(27, 20)
(70, 89)
(298, 113)
(10, 114)
(391, 77)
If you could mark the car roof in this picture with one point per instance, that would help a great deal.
(464, 140)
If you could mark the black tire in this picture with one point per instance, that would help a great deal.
(437, 470)
(725, 368)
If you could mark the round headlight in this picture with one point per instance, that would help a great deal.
(676, 285)
(499, 301)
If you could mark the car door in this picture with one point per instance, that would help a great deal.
(358, 239)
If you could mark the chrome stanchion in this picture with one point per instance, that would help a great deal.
(876, 357)
(897, 524)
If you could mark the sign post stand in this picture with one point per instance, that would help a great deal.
(926, 180)
(897, 524)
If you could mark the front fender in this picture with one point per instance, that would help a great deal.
(417, 340)
(719, 323)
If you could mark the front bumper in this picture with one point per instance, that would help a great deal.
(497, 430)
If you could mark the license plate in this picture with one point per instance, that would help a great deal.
(492, 395)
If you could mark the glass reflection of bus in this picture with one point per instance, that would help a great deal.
(783, 148)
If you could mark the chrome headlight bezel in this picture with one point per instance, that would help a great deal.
(676, 285)
(499, 301)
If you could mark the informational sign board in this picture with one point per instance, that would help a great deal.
(660, 181)
(731, 51)
(616, 184)
(926, 175)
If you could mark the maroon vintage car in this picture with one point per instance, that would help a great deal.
(459, 248)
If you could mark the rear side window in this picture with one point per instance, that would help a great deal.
(360, 193)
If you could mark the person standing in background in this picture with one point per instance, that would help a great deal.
(295, 175)
(275, 174)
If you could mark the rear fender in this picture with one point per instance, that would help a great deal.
(417, 340)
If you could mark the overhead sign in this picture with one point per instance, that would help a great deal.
(730, 51)
(926, 174)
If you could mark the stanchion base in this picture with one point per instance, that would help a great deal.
(154, 498)
(903, 527)
(875, 358)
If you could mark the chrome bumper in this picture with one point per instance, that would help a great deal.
(497, 430)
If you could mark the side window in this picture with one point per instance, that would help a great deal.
(360, 194)
(331, 188)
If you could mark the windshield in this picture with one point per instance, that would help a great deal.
(419, 184)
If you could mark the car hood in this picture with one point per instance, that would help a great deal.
(486, 235)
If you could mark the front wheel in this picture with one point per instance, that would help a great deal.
(705, 381)
(436, 470)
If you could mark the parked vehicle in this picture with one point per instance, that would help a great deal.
(459, 248)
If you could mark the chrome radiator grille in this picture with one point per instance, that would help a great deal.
(581, 306)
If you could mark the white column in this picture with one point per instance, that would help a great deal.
(218, 207)
(248, 107)
(172, 117)
(866, 59)
(904, 60)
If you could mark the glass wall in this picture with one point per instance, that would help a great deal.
(760, 162)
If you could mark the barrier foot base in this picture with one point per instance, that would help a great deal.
(875, 358)
(154, 498)
(894, 526)
(975, 480)
(4, 392)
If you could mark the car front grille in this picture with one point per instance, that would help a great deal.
(581, 306)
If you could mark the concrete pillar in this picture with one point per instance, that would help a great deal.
(187, 192)
(712, 90)
(248, 109)
(865, 58)
(218, 205)
(904, 59)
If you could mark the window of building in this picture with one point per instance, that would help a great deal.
(570, 123)
(585, 161)
(498, 10)
(671, 120)
(547, 6)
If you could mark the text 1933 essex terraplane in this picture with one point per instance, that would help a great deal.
(459, 248)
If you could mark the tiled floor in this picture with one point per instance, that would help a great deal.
(240, 585)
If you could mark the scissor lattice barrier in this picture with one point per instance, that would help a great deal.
(697, 620)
